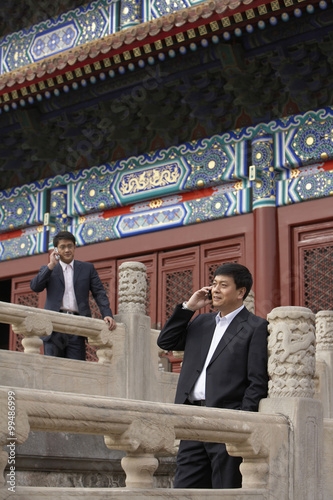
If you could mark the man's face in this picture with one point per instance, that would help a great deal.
(226, 298)
(66, 249)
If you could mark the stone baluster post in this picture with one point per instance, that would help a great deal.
(31, 325)
(140, 462)
(142, 440)
(131, 312)
(324, 360)
(291, 367)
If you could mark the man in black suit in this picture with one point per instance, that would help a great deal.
(224, 366)
(68, 283)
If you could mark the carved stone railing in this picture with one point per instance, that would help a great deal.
(286, 447)
(291, 366)
(146, 430)
(291, 346)
(132, 290)
(34, 323)
(324, 360)
(129, 354)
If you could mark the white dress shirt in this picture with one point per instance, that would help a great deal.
(222, 323)
(69, 302)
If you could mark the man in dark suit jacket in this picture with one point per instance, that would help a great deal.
(68, 283)
(224, 366)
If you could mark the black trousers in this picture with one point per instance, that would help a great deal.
(206, 465)
(62, 345)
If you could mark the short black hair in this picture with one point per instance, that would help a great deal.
(63, 235)
(241, 275)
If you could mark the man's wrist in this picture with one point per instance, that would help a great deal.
(184, 306)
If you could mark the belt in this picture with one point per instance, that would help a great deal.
(69, 312)
(199, 402)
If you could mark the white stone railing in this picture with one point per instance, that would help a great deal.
(33, 323)
(286, 447)
(146, 430)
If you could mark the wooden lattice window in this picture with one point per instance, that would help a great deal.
(178, 279)
(318, 278)
(179, 285)
(312, 273)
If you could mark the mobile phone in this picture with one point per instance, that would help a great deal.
(210, 295)
(57, 256)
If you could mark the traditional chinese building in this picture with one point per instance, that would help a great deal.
(181, 134)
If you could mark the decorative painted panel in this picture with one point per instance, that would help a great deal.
(164, 213)
(22, 211)
(264, 186)
(195, 182)
(69, 30)
(144, 177)
(130, 13)
(232, 139)
(216, 162)
(306, 183)
(53, 41)
(59, 220)
(163, 7)
(22, 243)
(304, 145)
(151, 220)
(154, 181)
(91, 193)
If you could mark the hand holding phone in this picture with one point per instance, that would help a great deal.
(57, 256)
(210, 295)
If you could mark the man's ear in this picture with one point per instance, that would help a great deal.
(241, 292)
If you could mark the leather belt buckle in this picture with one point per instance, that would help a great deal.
(200, 402)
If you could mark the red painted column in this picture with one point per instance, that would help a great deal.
(266, 275)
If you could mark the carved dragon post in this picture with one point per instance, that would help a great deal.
(131, 312)
(291, 367)
(324, 360)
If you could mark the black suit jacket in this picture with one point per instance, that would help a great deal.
(85, 279)
(236, 376)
